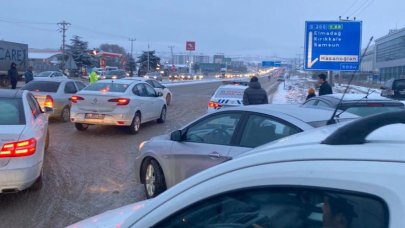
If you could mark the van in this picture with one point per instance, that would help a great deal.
(394, 88)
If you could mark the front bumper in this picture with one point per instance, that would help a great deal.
(119, 119)
(19, 179)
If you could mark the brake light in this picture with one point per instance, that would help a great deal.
(48, 102)
(18, 149)
(120, 101)
(74, 99)
(213, 104)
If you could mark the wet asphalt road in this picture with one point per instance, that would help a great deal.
(87, 173)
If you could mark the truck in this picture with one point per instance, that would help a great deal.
(12, 52)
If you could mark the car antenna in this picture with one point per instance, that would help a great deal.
(358, 101)
(332, 119)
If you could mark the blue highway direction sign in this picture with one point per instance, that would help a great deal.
(333, 45)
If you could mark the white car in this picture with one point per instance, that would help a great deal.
(24, 137)
(50, 74)
(121, 102)
(226, 96)
(328, 177)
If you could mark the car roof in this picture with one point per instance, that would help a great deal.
(232, 87)
(56, 79)
(305, 114)
(118, 81)
(355, 98)
(135, 79)
(11, 93)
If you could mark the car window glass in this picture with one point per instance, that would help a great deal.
(260, 130)
(11, 111)
(310, 102)
(399, 85)
(107, 87)
(34, 106)
(217, 129)
(157, 84)
(368, 111)
(323, 104)
(282, 207)
(70, 88)
(150, 91)
(80, 85)
(141, 90)
(42, 86)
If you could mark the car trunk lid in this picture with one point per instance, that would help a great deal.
(9, 133)
(94, 101)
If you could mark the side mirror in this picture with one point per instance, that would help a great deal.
(382, 87)
(48, 110)
(160, 94)
(176, 136)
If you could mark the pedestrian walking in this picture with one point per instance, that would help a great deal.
(324, 88)
(311, 93)
(93, 76)
(13, 75)
(29, 76)
(255, 94)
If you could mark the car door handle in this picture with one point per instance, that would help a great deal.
(215, 155)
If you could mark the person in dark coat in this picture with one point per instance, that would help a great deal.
(311, 93)
(13, 75)
(255, 94)
(29, 76)
(325, 88)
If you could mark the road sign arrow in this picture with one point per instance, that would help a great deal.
(310, 62)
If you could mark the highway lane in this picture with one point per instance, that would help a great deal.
(87, 173)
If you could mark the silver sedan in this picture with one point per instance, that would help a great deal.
(55, 93)
(215, 138)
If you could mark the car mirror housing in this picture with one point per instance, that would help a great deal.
(160, 94)
(48, 110)
(382, 87)
(176, 136)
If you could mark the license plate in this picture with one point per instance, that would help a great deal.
(94, 116)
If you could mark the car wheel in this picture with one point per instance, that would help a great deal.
(163, 114)
(168, 99)
(154, 180)
(47, 140)
(135, 125)
(65, 115)
(37, 184)
(81, 127)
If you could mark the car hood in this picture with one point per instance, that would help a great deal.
(113, 218)
(160, 138)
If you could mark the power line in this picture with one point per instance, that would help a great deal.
(368, 5)
(360, 8)
(19, 21)
(350, 7)
(99, 32)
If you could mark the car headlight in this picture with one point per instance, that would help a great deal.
(142, 145)
(114, 77)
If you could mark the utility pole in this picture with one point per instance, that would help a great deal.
(171, 51)
(62, 28)
(132, 56)
(148, 59)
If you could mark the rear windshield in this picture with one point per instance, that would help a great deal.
(107, 87)
(230, 93)
(44, 74)
(11, 112)
(42, 86)
(368, 111)
(399, 84)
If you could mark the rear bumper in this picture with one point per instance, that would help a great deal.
(19, 179)
(121, 119)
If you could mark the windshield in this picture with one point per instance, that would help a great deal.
(44, 74)
(368, 111)
(11, 112)
(107, 87)
(42, 86)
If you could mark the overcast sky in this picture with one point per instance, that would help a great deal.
(233, 27)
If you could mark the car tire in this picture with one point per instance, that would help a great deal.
(37, 184)
(135, 125)
(65, 114)
(154, 179)
(47, 140)
(168, 99)
(81, 127)
(163, 114)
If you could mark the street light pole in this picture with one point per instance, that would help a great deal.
(148, 59)
(132, 55)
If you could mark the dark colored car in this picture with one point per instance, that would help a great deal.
(114, 74)
(394, 88)
(358, 104)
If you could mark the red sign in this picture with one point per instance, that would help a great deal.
(190, 45)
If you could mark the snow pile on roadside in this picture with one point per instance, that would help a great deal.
(294, 91)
